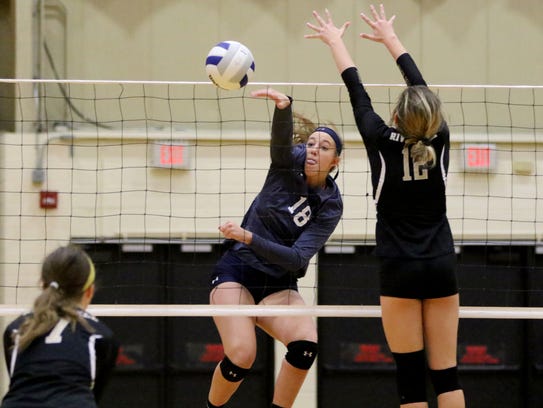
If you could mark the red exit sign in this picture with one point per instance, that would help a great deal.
(170, 155)
(479, 157)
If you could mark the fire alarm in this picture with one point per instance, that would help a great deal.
(48, 199)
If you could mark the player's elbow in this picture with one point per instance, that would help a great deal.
(297, 262)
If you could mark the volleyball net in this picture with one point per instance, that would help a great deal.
(141, 174)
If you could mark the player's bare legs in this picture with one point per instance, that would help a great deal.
(403, 327)
(441, 333)
(432, 324)
(238, 338)
(288, 329)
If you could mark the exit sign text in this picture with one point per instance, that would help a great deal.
(478, 157)
(170, 155)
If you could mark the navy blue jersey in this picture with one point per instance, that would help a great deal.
(64, 368)
(410, 199)
(289, 220)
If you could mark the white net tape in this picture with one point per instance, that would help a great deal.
(466, 312)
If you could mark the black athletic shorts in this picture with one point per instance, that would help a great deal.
(230, 268)
(418, 278)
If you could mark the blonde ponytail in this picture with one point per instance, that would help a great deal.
(418, 117)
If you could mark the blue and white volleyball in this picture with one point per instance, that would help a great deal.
(230, 65)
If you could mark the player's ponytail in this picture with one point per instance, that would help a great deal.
(422, 151)
(66, 273)
(418, 117)
(303, 128)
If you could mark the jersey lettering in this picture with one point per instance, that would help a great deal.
(396, 137)
(304, 215)
(292, 208)
(55, 337)
(416, 170)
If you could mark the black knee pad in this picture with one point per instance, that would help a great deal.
(301, 354)
(445, 380)
(411, 376)
(232, 372)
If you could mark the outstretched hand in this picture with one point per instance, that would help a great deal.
(383, 29)
(326, 29)
(280, 99)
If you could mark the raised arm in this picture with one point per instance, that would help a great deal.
(282, 127)
(328, 33)
(332, 36)
(383, 32)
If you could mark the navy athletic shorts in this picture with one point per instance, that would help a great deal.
(418, 278)
(230, 268)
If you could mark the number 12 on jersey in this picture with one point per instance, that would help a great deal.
(413, 170)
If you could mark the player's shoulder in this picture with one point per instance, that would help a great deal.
(336, 196)
(444, 132)
(331, 199)
(100, 327)
(16, 323)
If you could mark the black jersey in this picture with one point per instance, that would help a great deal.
(410, 199)
(64, 368)
(289, 220)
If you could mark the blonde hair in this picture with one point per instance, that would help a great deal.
(65, 275)
(418, 117)
(303, 127)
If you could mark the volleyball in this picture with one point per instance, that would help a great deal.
(230, 65)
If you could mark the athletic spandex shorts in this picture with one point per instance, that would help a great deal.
(232, 269)
(419, 278)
